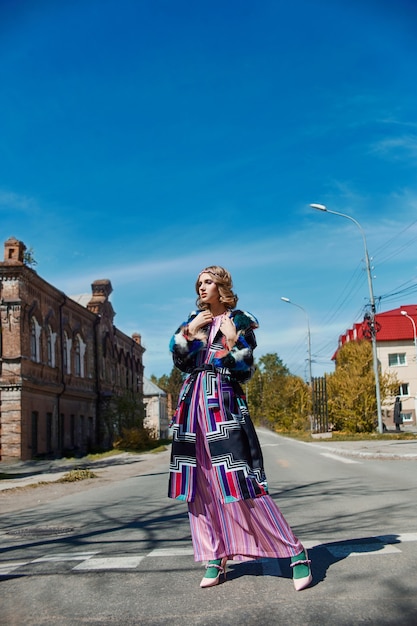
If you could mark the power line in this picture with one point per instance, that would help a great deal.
(352, 288)
(396, 237)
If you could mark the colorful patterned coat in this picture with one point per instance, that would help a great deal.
(212, 386)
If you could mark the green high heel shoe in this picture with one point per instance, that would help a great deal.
(301, 571)
(214, 569)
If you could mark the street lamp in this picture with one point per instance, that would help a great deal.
(308, 336)
(414, 329)
(322, 207)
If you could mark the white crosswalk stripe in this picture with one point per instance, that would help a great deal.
(121, 562)
(172, 552)
(65, 556)
(9, 568)
(92, 560)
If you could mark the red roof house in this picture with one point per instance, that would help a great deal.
(391, 326)
(396, 342)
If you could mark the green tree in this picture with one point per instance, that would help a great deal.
(277, 398)
(351, 389)
(171, 385)
(29, 258)
(122, 413)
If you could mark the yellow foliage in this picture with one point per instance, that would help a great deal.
(351, 389)
(138, 439)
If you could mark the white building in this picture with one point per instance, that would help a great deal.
(155, 400)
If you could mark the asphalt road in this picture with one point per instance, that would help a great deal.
(121, 554)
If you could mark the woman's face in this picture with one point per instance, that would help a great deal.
(207, 289)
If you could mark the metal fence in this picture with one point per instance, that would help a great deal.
(319, 418)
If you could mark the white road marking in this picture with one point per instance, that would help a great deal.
(73, 556)
(171, 552)
(8, 568)
(371, 546)
(342, 459)
(121, 562)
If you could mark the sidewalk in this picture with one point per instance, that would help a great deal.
(391, 449)
(388, 449)
(24, 473)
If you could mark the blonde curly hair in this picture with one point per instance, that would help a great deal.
(223, 280)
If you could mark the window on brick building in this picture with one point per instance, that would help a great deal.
(72, 431)
(35, 340)
(77, 363)
(82, 431)
(80, 347)
(66, 352)
(51, 343)
(49, 433)
(34, 434)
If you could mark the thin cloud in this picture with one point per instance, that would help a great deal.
(399, 148)
(11, 201)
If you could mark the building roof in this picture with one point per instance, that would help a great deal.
(391, 326)
(395, 326)
(150, 389)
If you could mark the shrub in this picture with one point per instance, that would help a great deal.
(136, 439)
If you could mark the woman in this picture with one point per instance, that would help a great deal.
(398, 420)
(216, 460)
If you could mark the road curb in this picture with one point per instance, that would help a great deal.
(342, 451)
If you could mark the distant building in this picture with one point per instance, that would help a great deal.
(397, 352)
(62, 363)
(155, 401)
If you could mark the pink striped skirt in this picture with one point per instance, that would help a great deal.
(246, 529)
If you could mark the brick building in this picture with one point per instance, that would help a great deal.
(62, 362)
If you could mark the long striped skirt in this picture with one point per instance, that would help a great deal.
(246, 529)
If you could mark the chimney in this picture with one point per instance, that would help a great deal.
(14, 251)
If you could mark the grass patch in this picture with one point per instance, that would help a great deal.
(127, 447)
(96, 456)
(76, 475)
(158, 449)
(345, 436)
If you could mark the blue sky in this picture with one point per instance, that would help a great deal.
(142, 140)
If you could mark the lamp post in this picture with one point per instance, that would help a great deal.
(415, 344)
(308, 336)
(322, 207)
(414, 329)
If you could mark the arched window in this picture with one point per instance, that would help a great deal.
(35, 340)
(51, 347)
(80, 347)
(66, 353)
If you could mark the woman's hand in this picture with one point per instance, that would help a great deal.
(228, 329)
(202, 319)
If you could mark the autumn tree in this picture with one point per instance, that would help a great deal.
(351, 389)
